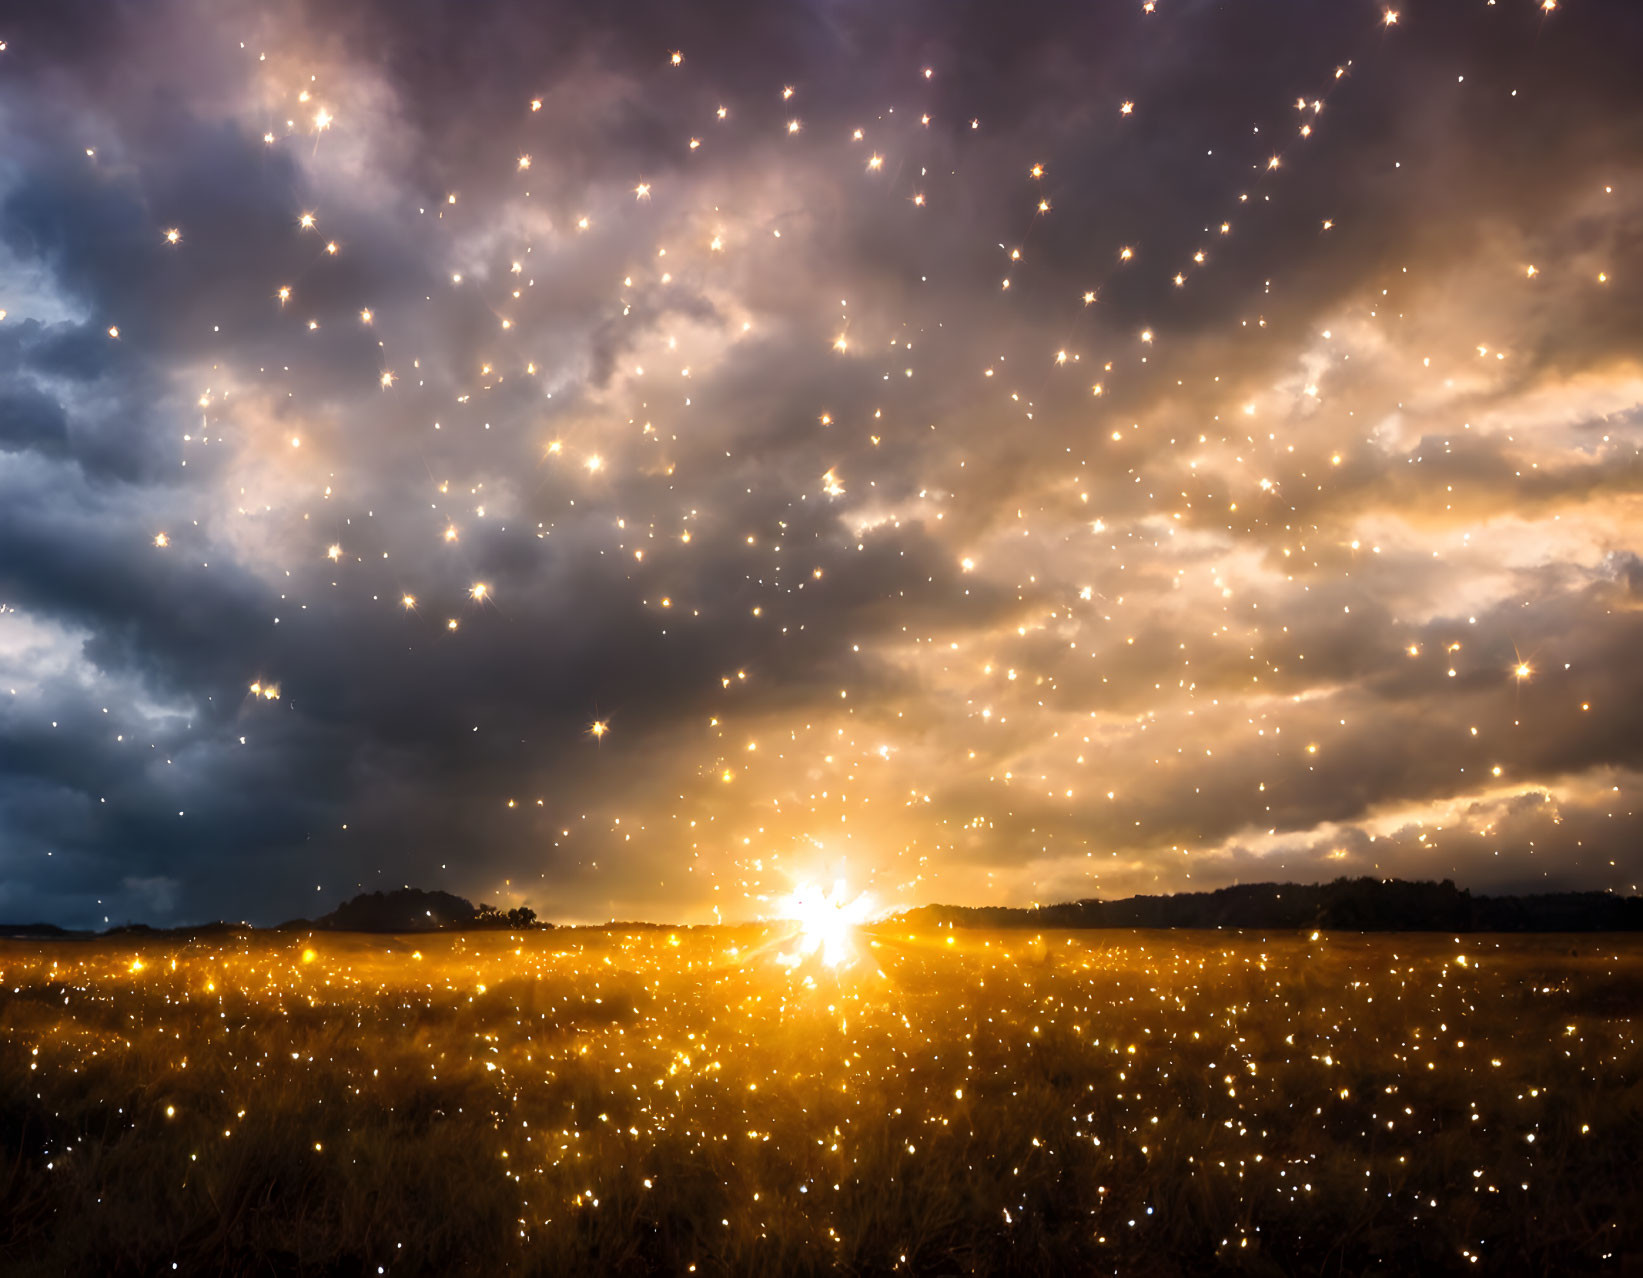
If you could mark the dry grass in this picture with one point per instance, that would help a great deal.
(590, 1102)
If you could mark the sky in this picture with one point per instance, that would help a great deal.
(639, 460)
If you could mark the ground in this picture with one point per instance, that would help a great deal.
(712, 1100)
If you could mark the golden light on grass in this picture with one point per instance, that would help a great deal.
(1309, 1082)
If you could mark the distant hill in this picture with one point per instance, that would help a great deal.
(403, 910)
(415, 910)
(1346, 905)
(1349, 905)
(38, 932)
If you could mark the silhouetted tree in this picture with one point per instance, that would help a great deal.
(403, 910)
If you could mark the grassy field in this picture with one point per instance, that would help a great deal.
(573, 1102)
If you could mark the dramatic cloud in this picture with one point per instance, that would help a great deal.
(990, 455)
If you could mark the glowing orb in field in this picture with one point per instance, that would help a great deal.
(826, 922)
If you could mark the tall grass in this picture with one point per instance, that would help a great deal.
(592, 1102)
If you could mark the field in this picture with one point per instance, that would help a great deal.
(590, 1101)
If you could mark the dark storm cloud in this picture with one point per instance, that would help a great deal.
(997, 615)
(32, 422)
